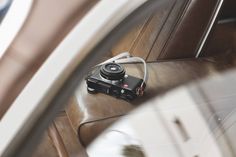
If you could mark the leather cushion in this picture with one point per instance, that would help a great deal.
(90, 114)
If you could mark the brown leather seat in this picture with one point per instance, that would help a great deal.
(186, 34)
(60, 140)
(50, 21)
(164, 37)
(222, 39)
(222, 36)
(174, 32)
(228, 10)
(90, 114)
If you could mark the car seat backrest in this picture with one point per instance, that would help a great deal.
(175, 31)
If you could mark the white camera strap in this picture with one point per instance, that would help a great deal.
(119, 56)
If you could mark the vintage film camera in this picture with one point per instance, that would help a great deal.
(110, 78)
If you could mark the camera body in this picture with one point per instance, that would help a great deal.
(111, 79)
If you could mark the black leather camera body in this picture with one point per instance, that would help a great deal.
(111, 79)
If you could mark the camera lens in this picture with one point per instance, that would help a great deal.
(112, 71)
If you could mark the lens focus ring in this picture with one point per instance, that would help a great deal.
(112, 71)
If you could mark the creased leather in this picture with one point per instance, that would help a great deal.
(90, 114)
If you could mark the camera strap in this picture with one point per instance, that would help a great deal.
(117, 57)
(126, 57)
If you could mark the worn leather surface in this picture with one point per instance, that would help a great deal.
(46, 26)
(167, 34)
(228, 10)
(188, 28)
(60, 140)
(221, 40)
(174, 31)
(140, 40)
(222, 37)
(91, 113)
(48, 23)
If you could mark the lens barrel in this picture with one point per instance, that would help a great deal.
(112, 71)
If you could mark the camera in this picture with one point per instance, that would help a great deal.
(111, 78)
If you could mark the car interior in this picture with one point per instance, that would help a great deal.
(183, 42)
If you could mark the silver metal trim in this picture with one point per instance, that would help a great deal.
(209, 28)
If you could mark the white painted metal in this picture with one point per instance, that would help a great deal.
(209, 28)
(192, 133)
(40, 90)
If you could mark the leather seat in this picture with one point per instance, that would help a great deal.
(222, 37)
(91, 114)
(221, 40)
(184, 38)
(168, 34)
(50, 21)
(228, 10)
(175, 31)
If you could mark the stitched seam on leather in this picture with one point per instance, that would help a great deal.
(175, 26)
(57, 141)
(141, 33)
(92, 121)
(208, 27)
(163, 24)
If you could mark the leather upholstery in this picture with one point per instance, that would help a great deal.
(190, 28)
(50, 21)
(90, 114)
(60, 140)
(164, 35)
(222, 36)
(46, 26)
(221, 39)
(174, 31)
(184, 29)
(228, 10)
